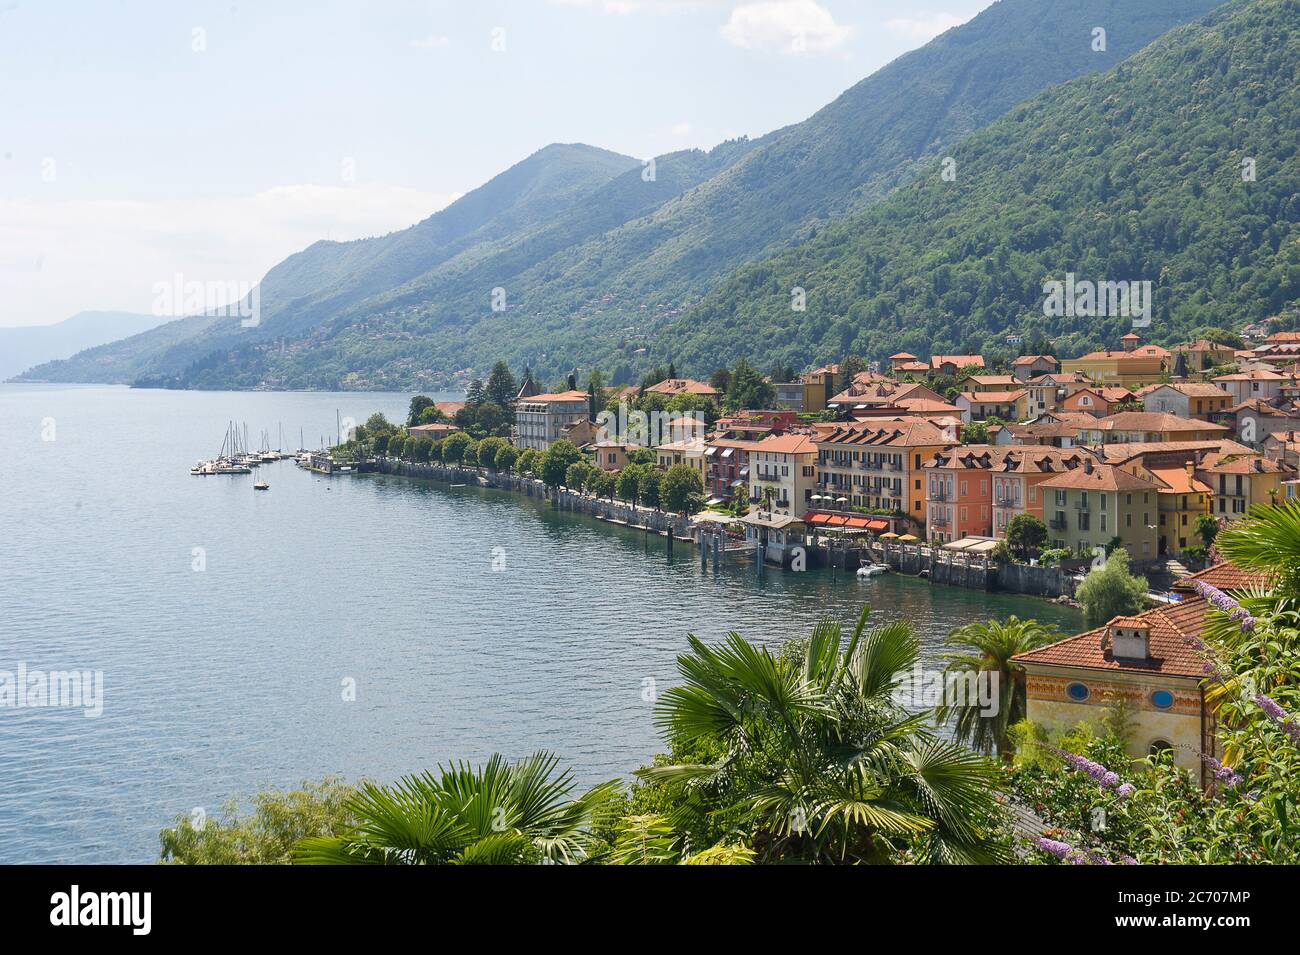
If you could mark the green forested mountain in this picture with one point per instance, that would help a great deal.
(602, 277)
(1142, 173)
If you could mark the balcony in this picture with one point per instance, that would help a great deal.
(938, 494)
(1006, 502)
(939, 521)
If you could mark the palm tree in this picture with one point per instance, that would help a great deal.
(988, 648)
(1267, 541)
(502, 813)
(818, 763)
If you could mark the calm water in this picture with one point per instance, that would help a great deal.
(220, 681)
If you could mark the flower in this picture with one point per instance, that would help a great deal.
(1278, 715)
(1224, 774)
(1223, 602)
(1053, 847)
(1104, 777)
(1124, 790)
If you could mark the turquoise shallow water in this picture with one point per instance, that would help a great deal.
(221, 681)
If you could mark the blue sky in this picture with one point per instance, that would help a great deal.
(143, 139)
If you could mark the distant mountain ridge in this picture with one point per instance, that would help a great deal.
(28, 345)
(604, 268)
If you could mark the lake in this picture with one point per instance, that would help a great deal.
(229, 625)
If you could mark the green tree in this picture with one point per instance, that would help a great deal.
(556, 461)
(423, 446)
(806, 754)
(747, 389)
(499, 814)
(1025, 534)
(1207, 529)
(507, 455)
(526, 464)
(628, 483)
(985, 652)
(648, 485)
(488, 449)
(679, 484)
(454, 447)
(578, 476)
(501, 386)
(266, 835)
(418, 404)
(1111, 590)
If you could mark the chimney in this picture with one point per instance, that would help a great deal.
(1087, 465)
(1130, 639)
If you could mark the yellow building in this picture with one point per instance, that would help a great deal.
(1238, 481)
(1136, 365)
(1148, 427)
(1183, 498)
(879, 464)
(1150, 662)
(1086, 507)
(819, 386)
(783, 473)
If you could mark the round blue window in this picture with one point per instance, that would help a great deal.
(1077, 692)
(1162, 699)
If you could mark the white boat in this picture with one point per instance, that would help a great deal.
(872, 570)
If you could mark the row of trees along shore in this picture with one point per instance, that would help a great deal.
(801, 752)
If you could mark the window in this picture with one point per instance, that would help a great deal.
(1078, 692)
(1162, 699)
(1159, 746)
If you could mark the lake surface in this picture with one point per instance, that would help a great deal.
(222, 680)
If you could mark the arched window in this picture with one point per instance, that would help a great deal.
(1159, 746)
(1078, 692)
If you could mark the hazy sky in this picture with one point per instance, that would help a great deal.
(139, 140)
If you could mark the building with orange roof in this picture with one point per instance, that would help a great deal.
(1186, 399)
(1028, 367)
(1018, 476)
(1244, 385)
(1150, 662)
(1088, 506)
(1098, 401)
(879, 464)
(1182, 499)
(686, 450)
(951, 364)
(982, 383)
(540, 419)
(861, 395)
(682, 386)
(1005, 405)
(903, 358)
(1148, 426)
(783, 473)
(1202, 354)
(1240, 481)
(1135, 365)
(1046, 392)
(959, 491)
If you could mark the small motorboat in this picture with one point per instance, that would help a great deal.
(872, 570)
(261, 486)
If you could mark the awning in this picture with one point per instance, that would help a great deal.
(737, 483)
(744, 472)
(817, 518)
(837, 520)
(708, 452)
(859, 522)
(726, 452)
(877, 525)
(714, 500)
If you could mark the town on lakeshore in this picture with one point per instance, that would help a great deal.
(1022, 477)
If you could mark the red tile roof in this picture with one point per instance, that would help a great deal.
(1170, 647)
(1227, 577)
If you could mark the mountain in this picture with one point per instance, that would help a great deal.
(327, 277)
(23, 347)
(1139, 174)
(611, 265)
